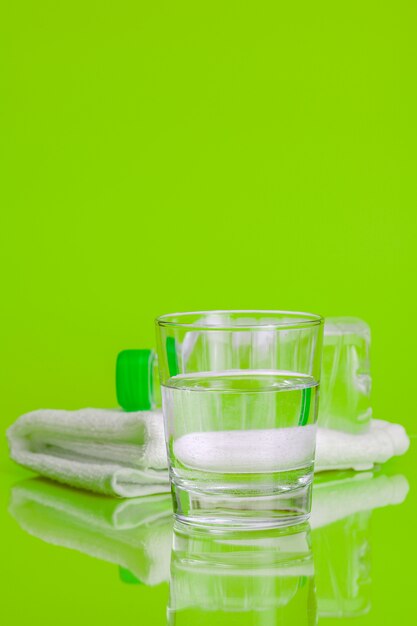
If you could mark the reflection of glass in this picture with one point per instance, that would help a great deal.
(134, 534)
(340, 520)
(238, 578)
(240, 414)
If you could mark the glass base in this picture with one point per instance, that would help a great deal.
(272, 504)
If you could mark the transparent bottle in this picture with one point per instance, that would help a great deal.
(345, 394)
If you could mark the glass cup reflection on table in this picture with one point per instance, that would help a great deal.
(240, 577)
(240, 399)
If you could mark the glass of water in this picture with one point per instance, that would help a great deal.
(240, 400)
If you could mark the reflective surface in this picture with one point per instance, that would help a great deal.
(73, 557)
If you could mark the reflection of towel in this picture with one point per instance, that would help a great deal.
(135, 534)
(107, 451)
(336, 499)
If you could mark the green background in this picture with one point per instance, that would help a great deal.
(177, 156)
(169, 156)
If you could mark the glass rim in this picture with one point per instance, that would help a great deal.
(301, 320)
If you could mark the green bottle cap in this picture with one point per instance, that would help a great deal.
(126, 576)
(134, 379)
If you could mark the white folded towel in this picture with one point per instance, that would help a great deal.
(260, 450)
(339, 450)
(276, 449)
(108, 451)
(124, 454)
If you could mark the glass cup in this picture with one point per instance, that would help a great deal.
(240, 400)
